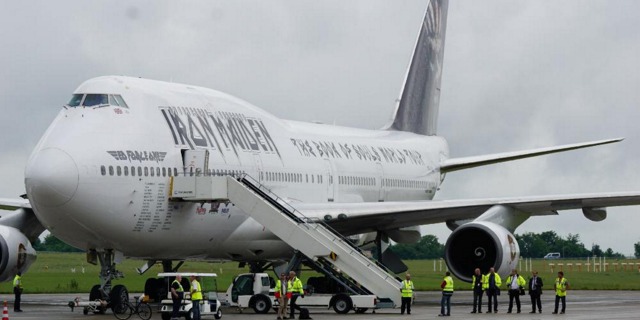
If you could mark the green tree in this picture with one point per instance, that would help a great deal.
(427, 248)
(51, 243)
(532, 245)
(572, 247)
(637, 247)
(610, 254)
(596, 251)
(537, 245)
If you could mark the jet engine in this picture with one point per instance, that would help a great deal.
(481, 244)
(16, 253)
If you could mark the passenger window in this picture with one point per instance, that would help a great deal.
(119, 171)
(158, 172)
(75, 100)
(152, 172)
(126, 171)
(140, 171)
(164, 172)
(95, 100)
(146, 171)
(133, 171)
(110, 170)
(103, 170)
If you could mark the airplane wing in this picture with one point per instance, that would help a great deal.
(14, 204)
(356, 218)
(455, 164)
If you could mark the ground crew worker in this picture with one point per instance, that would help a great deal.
(407, 293)
(447, 292)
(477, 285)
(196, 297)
(492, 288)
(177, 293)
(17, 291)
(562, 284)
(515, 283)
(281, 294)
(296, 291)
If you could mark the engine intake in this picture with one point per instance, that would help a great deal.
(16, 253)
(481, 244)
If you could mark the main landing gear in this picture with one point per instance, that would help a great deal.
(117, 296)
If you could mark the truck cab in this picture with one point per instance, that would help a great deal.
(251, 290)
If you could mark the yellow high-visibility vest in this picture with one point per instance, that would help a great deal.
(561, 287)
(180, 288)
(296, 286)
(17, 281)
(407, 289)
(449, 284)
(196, 291)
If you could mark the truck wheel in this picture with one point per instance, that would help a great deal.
(96, 294)
(152, 288)
(261, 304)
(119, 297)
(342, 303)
(218, 314)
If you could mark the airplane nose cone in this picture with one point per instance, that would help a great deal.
(51, 177)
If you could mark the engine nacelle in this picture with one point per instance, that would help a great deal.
(481, 244)
(16, 253)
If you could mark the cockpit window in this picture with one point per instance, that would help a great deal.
(97, 100)
(91, 100)
(120, 101)
(112, 101)
(75, 100)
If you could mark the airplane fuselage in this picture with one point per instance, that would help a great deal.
(100, 176)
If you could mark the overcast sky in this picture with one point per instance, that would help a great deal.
(517, 75)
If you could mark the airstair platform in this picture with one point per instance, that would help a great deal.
(308, 236)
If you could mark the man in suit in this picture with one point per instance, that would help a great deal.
(535, 290)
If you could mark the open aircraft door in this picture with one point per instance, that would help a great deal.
(330, 180)
(259, 175)
(379, 178)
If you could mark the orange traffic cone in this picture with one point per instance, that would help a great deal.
(5, 312)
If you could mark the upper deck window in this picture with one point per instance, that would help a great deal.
(97, 100)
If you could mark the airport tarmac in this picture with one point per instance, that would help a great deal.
(580, 305)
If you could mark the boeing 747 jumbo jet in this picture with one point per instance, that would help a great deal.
(108, 173)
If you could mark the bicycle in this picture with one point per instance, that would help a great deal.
(141, 308)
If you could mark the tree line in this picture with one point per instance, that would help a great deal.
(532, 245)
(53, 244)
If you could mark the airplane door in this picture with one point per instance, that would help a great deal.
(329, 175)
(195, 162)
(380, 177)
(258, 161)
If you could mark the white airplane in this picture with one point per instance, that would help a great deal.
(99, 178)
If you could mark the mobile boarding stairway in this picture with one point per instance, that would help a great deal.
(326, 249)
